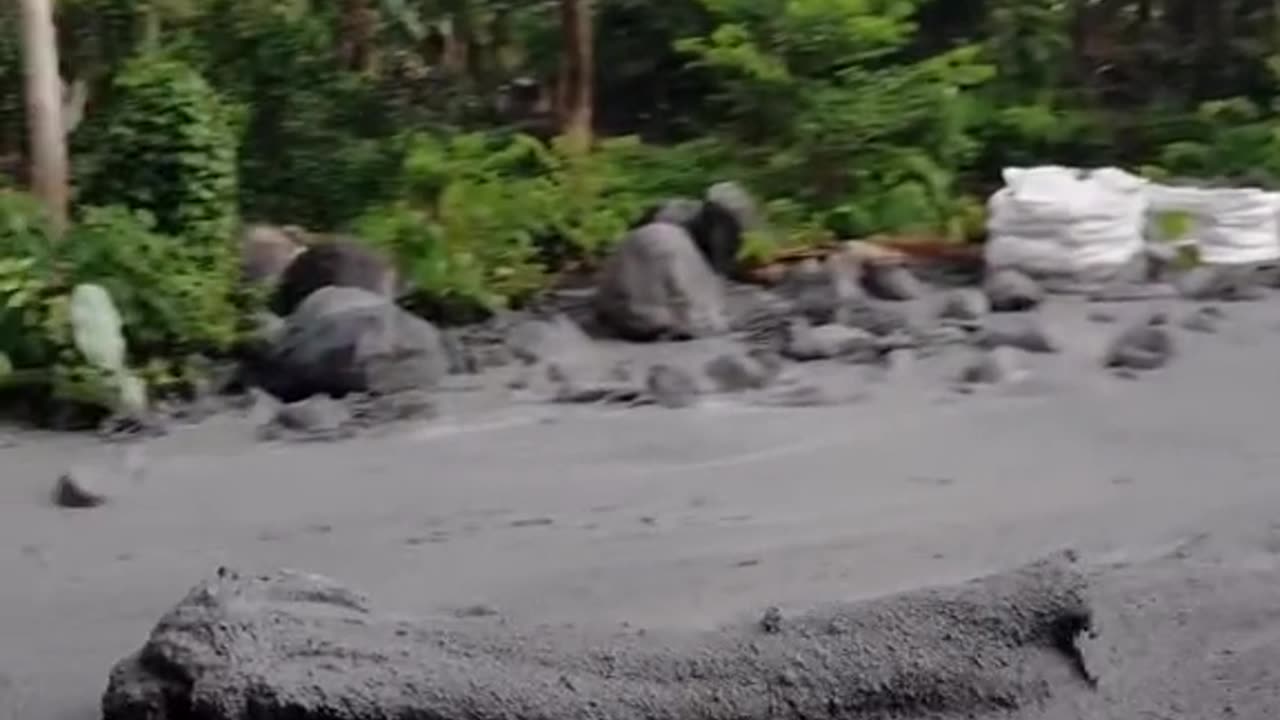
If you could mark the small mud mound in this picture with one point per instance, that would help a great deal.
(302, 647)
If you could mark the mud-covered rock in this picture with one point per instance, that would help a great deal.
(1011, 290)
(716, 223)
(964, 306)
(807, 343)
(306, 648)
(82, 487)
(1026, 333)
(266, 252)
(1161, 259)
(1225, 283)
(319, 417)
(672, 387)
(738, 371)
(1133, 292)
(543, 340)
(998, 366)
(336, 262)
(345, 340)
(658, 285)
(1145, 345)
(1205, 320)
(891, 282)
(680, 211)
(822, 291)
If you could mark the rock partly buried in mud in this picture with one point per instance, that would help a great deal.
(1205, 320)
(1012, 291)
(303, 647)
(340, 262)
(997, 366)
(671, 387)
(549, 340)
(658, 285)
(1027, 333)
(1226, 283)
(965, 306)
(821, 291)
(319, 418)
(83, 487)
(739, 371)
(891, 282)
(1146, 345)
(806, 343)
(345, 340)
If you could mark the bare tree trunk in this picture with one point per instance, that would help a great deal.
(47, 131)
(577, 74)
(359, 27)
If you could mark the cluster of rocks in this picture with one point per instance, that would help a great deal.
(339, 354)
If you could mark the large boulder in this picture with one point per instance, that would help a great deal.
(304, 647)
(266, 252)
(716, 223)
(674, 211)
(340, 262)
(657, 285)
(345, 340)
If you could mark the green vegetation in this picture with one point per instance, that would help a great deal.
(429, 129)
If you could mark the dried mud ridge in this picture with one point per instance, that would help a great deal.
(303, 647)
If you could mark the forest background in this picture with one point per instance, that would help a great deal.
(489, 144)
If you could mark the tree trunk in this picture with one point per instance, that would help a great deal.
(577, 74)
(359, 28)
(47, 131)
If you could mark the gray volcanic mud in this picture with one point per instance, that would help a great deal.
(535, 516)
(291, 646)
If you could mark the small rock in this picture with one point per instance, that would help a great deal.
(876, 318)
(397, 407)
(965, 306)
(997, 366)
(733, 372)
(1027, 334)
(771, 621)
(1203, 320)
(1133, 292)
(461, 360)
(319, 413)
(1012, 291)
(891, 282)
(83, 487)
(819, 291)
(1161, 259)
(1147, 345)
(1223, 283)
(806, 343)
(672, 387)
(1102, 317)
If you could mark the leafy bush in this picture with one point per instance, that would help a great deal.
(810, 101)
(166, 145)
(171, 305)
(486, 216)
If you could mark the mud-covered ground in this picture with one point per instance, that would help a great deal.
(692, 518)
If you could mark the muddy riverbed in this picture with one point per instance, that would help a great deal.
(689, 519)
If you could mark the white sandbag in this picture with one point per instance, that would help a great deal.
(1236, 226)
(1061, 221)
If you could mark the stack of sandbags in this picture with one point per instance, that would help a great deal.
(1054, 221)
(1230, 226)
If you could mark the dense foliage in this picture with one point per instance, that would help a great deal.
(428, 128)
